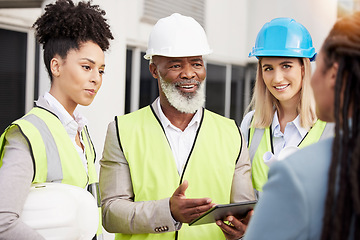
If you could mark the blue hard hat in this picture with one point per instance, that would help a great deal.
(283, 37)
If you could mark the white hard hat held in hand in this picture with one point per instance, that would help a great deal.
(177, 36)
(61, 212)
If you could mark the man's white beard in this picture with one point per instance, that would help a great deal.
(183, 102)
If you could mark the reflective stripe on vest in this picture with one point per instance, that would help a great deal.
(260, 141)
(54, 155)
(54, 169)
(45, 131)
(209, 168)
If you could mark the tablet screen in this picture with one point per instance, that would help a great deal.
(238, 210)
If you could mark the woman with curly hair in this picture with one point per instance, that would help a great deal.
(314, 194)
(51, 143)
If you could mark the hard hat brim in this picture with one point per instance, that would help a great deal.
(149, 56)
(311, 54)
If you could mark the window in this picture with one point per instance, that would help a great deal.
(237, 107)
(12, 76)
(215, 88)
(128, 80)
(148, 85)
(346, 7)
(141, 87)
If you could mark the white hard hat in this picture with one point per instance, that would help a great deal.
(177, 36)
(61, 212)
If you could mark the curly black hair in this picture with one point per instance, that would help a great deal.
(64, 26)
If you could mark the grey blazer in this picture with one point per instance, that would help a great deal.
(122, 215)
(16, 176)
(292, 204)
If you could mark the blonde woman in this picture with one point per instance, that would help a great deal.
(325, 201)
(283, 107)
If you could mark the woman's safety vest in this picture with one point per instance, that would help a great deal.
(260, 142)
(209, 168)
(54, 155)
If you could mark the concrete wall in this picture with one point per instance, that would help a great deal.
(226, 27)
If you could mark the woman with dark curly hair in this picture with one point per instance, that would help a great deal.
(51, 143)
(315, 194)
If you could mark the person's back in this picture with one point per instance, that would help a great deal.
(291, 206)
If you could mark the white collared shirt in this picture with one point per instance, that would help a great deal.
(292, 136)
(181, 142)
(72, 124)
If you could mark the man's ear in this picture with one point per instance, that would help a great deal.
(153, 70)
(55, 63)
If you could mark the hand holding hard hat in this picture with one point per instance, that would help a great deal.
(61, 212)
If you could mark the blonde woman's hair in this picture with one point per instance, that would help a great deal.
(265, 104)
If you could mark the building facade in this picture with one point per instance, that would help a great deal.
(231, 26)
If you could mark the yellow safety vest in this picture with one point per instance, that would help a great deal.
(259, 170)
(209, 168)
(54, 155)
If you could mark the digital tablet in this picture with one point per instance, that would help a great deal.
(238, 210)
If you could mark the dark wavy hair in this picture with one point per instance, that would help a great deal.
(342, 207)
(64, 26)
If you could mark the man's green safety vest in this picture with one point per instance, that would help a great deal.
(209, 168)
(260, 142)
(54, 155)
